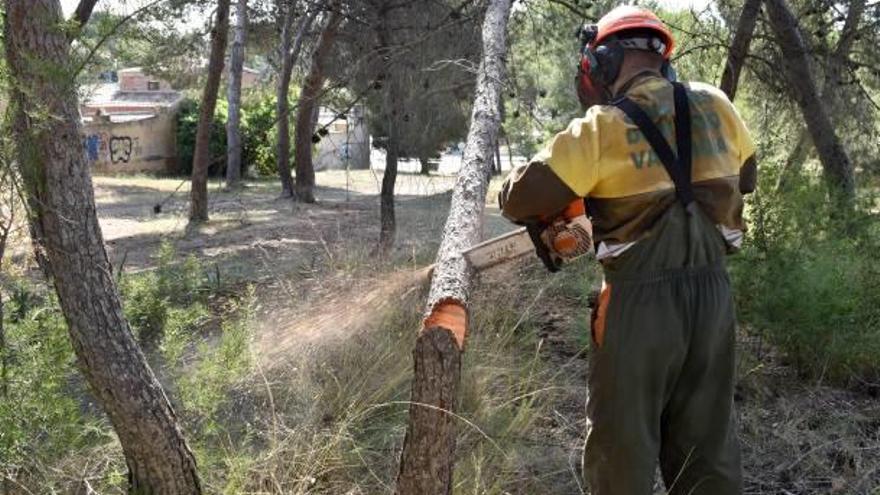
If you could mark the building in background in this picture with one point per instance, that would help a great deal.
(130, 123)
(346, 144)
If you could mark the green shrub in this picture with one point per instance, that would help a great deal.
(259, 138)
(258, 134)
(40, 401)
(187, 124)
(158, 299)
(812, 285)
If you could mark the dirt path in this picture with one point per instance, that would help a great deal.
(248, 228)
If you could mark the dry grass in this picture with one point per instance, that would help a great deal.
(323, 409)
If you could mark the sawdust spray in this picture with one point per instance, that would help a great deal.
(295, 330)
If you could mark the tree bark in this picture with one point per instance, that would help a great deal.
(308, 103)
(58, 188)
(836, 166)
(233, 97)
(739, 46)
(835, 66)
(428, 457)
(289, 56)
(202, 154)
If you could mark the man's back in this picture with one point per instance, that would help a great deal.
(606, 158)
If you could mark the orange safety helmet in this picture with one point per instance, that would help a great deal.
(602, 49)
(627, 18)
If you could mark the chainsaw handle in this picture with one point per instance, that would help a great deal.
(535, 230)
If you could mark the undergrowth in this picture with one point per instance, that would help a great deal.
(809, 281)
(53, 438)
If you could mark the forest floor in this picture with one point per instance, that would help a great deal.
(319, 286)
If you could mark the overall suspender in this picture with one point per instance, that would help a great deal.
(677, 166)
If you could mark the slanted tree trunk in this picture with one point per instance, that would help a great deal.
(58, 188)
(835, 67)
(233, 97)
(291, 44)
(795, 159)
(425, 165)
(428, 457)
(836, 165)
(202, 154)
(739, 46)
(308, 103)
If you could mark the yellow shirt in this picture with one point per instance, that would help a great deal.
(605, 158)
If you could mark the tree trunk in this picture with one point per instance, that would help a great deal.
(834, 69)
(308, 103)
(202, 155)
(428, 457)
(795, 160)
(392, 110)
(289, 57)
(388, 224)
(233, 97)
(739, 46)
(58, 188)
(836, 165)
(425, 165)
(497, 157)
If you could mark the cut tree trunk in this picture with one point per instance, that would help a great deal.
(290, 47)
(308, 103)
(836, 166)
(202, 154)
(233, 97)
(58, 188)
(739, 46)
(427, 461)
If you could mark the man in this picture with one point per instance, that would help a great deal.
(662, 168)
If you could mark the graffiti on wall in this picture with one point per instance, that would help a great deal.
(96, 146)
(120, 149)
(102, 147)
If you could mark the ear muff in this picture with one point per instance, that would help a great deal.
(608, 59)
(597, 71)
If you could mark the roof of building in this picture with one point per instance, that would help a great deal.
(108, 94)
(115, 119)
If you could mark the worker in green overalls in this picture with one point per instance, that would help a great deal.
(663, 167)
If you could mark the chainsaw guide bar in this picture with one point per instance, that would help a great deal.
(500, 249)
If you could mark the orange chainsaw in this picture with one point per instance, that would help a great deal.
(556, 242)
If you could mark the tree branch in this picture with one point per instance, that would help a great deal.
(83, 12)
(573, 9)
